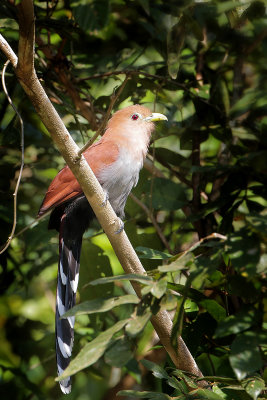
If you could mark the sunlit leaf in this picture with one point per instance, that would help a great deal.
(152, 254)
(144, 395)
(127, 277)
(157, 371)
(204, 394)
(229, 5)
(159, 288)
(92, 351)
(102, 304)
(179, 263)
(215, 309)
(190, 306)
(137, 323)
(244, 250)
(254, 386)
(189, 381)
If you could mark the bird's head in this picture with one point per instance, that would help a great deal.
(135, 118)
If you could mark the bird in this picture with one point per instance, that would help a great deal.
(116, 160)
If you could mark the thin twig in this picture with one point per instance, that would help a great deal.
(153, 220)
(153, 76)
(100, 131)
(176, 173)
(196, 184)
(15, 194)
(150, 166)
(134, 72)
(212, 236)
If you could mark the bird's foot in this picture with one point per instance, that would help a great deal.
(104, 203)
(121, 225)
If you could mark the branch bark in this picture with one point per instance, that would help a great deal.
(26, 74)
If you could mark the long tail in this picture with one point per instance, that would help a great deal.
(67, 282)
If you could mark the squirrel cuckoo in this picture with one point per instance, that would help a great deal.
(116, 160)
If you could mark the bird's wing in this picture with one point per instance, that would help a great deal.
(65, 187)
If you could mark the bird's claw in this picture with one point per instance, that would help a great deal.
(104, 203)
(121, 226)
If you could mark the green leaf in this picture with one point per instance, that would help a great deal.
(244, 250)
(221, 379)
(193, 294)
(223, 93)
(91, 15)
(168, 301)
(157, 371)
(190, 306)
(214, 309)
(245, 355)
(92, 351)
(175, 42)
(169, 156)
(181, 262)
(189, 382)
(145, 5)
(204, 394)
(119, 353)
(178, 322)
(146, 280)
(102, 268)
(229, 5)
(144, 395)
(176, 384)
(151, 254)
(167, 195)
(137, 323)
(254, 386)
(235, 323)
(257, 222)
(245, 103)
(101, 304)
(159, 288)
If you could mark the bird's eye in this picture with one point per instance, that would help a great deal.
(135, 117)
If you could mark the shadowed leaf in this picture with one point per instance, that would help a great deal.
(245, 355)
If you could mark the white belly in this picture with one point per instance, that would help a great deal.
(119, 178)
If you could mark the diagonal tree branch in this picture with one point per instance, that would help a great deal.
(26, 74)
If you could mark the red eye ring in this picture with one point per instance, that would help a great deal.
(135, 117)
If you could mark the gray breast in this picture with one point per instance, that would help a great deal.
(118, 180)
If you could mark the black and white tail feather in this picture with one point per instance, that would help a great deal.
(70, 242)
(67, 282)
(71, 220)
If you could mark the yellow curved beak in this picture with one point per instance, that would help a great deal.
(154, 117)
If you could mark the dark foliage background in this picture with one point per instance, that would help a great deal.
(203, 64)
